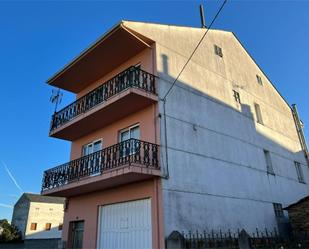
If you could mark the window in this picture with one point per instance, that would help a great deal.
(33, 226)
(218, 51)
(269, 166)
(258, 113)
(259, 79)
(92, 163)
(60, 226)
(299, 172)
(47, 226)
(278, 210)
(236, 96)
(126, 134)
(92, 147)
(131, 132)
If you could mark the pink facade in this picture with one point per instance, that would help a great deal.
(128, 182)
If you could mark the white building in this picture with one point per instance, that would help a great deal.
(39, 217)
(221, 151)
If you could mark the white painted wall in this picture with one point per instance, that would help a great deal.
(217, 171)
(42, 213)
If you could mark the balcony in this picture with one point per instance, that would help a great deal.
(127, 92)
(129, 161)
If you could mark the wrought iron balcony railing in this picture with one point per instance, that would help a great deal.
(131, 77)
(129, 152)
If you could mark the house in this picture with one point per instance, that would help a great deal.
(299, 215)
(219, 149)
(39, 217)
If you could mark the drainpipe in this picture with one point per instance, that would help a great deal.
(300, 132)
(167, 175)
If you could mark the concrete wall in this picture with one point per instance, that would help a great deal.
(217, 170)
(34, 244)
(20, 214)
(42, 213)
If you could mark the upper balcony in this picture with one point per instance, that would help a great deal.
(129, 161)
(127, 92)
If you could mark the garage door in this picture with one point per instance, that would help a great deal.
(125, 225)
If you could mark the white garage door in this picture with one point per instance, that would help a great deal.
(125, 225)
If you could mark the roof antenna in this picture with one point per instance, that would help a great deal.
(56, 97)
(202, 16)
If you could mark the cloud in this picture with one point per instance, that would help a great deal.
(11, 176)
(5, 205)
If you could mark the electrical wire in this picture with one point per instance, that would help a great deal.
(197, 46)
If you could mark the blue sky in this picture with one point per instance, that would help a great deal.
(38, 38)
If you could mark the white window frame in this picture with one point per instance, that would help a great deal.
(92, 143)
(132, 150)
(127, 129)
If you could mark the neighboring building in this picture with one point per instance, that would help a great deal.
(299, 215)
(234, 155)
(39, 217)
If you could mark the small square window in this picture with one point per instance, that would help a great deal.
(60, 226)
(218, 51)
(47, 226)
(33, 226)
(299, 172)
(259, 79)
(236, 96)
(258, 113)
(278, 210)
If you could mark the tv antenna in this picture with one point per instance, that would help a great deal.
(56, 98)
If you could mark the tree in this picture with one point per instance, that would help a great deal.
(8, 232)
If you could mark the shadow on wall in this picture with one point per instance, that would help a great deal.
(238, 124)
(34, 244)
(37, 240)
(53, 233)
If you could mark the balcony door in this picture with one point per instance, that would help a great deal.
(92, 159)
(129, 148)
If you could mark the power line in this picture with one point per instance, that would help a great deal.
(199, 43)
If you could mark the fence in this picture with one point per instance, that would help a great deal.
(236, 240)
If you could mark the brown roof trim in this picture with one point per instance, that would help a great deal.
(85, 52)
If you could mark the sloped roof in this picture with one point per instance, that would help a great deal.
(45, 199)
(297, 203)
(125, 26)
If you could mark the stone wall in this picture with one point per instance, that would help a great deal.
(299, 216)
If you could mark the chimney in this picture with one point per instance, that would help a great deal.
(202, 16)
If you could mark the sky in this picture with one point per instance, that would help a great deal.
(38, 38)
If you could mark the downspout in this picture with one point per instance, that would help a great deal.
(300, 132)
(167, 175)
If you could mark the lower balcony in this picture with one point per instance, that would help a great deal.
(126, 162)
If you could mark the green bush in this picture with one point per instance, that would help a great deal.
(8, 232)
